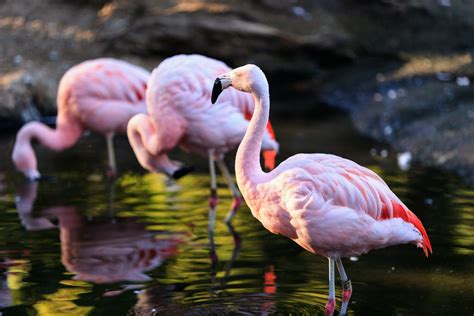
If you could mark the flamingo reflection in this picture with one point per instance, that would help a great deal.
(24, 200)
(104, 252)
(269, 288)
(100, 250)
(215, 259)
(159, 299)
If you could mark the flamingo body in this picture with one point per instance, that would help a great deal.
(180, 113)
(327, 204)
(100, 95)
(333, 207)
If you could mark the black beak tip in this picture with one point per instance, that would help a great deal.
(42, 178)
(216, 90)
(181, 172)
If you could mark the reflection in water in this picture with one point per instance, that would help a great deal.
(265, 274)
(156, 300)
(2, 182)
(100, 250)
(13, 273)
(24, 200)
(269, 287)
(108, 251)
(215, 260)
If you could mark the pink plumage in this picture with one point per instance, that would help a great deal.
(333, 207)
(329, 205)
(100, 95)
(180, 114)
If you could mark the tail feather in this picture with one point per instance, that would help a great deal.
(408, 216)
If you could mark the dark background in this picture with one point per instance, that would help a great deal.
(401, 68)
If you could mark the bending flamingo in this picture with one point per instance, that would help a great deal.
(100, 95)
(180, 113)
(328, 205)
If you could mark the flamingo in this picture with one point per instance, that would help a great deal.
(328, 205)
(100, 95)
(180, 113)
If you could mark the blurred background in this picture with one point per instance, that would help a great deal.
(402, 69)
(386, 83)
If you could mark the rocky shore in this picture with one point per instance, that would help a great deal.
(429, 114)
(402, 69)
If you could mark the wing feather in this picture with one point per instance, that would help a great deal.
(350, 185)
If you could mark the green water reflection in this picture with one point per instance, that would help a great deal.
(80, 244)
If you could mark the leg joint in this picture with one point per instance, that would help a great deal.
(347, 285)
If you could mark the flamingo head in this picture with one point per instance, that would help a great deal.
(32, 174)
(247, 78)
(25, 161)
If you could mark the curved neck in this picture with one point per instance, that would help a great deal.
(247, 164)
(56, 139)
(23, 154)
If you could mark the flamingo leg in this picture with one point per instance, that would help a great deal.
(111, 153)
(346, 287)
(331, 304)
(213, 196)
(212, 215)
(237, 197)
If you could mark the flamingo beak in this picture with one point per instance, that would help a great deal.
(182, 172)
(216, 90)
(32, 175)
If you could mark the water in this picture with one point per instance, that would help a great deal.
(80, 244)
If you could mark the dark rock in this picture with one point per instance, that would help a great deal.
(373, 57)
(25, 93)
(235, 34)
(432, 119)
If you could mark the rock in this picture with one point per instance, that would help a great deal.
(353, 54)
(431, 118)
(235, 34)
(22, 92)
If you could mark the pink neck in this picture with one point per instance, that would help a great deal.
(55, 139)
(247, 164)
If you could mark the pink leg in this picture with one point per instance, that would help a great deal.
(331, 304)
(237, 198)
(346, 287)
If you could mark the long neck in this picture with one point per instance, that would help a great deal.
(55, 139)
(247, 165)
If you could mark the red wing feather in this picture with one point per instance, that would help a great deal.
(269, 156)
(400, 211)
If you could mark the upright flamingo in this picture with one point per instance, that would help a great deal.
(100, 95)
(180, 113)
(328, 205)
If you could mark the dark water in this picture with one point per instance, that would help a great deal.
(80, 244)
